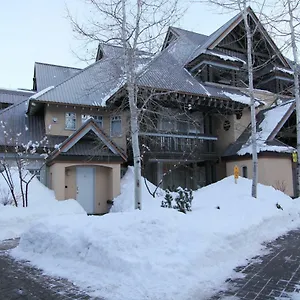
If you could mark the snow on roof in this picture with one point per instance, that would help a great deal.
(271, 119)
(284, 70)
(42, 92)
(225, 57)
(106, 97)
(241, 98)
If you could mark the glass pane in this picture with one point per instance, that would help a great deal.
(116, 126)
(70, 121)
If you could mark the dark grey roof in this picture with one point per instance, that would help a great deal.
(194, 37)
(97, 83)
(91, 86)
(50, 75)
(14, 96)
(18, 126)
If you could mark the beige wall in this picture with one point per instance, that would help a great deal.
(273, 171)
(237, 126)
(57, 112)
(107, 187)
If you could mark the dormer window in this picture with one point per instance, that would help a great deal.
(70, 121)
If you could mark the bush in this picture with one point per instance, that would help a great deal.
(182, 202)
(168, 200)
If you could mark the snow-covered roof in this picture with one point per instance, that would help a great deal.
(269, 122)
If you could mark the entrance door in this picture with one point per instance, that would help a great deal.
(85, 182)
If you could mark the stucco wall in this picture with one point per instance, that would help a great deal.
(273, 171)
(237, 126)
(55, 121)
(107, 187)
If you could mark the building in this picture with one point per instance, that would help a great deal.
(195, 123)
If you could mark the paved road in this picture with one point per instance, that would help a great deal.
(273, 276)
(20, 281)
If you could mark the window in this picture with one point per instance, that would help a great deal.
(226, 125)
(98, 119)
(245, 172)
(70, 121)
(116, 126)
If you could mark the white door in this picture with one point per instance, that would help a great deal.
(85, 181)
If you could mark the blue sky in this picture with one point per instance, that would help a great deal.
(38, 30)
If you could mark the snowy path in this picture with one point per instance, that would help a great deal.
(273, 276)
(20, 281)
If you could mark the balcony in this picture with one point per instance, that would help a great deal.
(190, 147)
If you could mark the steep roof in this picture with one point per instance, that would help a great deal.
(16, 125)
(50, 75)
(10, 96)
(194, 37)
(216, 37)
(269, 122)
(97, 83)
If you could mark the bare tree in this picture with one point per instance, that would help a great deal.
(135, 25)
(17, 157)
(285, 23)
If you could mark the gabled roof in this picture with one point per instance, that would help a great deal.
(216, 37)
(99, 82)
(194, 37)
(10, 96)
(72, 143)
(269, 122)
(50, 75)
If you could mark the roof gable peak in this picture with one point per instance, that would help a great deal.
(89, 126)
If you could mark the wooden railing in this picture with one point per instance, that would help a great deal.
(178, 143)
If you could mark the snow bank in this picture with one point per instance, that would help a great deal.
(159, 253)
(125, 202)
(41, 203)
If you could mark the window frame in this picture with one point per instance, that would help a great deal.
(114, 119)
(68, 114)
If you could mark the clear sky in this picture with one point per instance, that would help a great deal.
(38, 30)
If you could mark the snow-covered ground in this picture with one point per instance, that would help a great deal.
(159, 253)
(41, 203)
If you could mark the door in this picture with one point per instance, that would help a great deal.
(85, 182)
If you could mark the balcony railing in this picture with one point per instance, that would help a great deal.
(193, 146)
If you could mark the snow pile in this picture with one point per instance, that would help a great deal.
(125, 201)
(41, 203)
(160, 253)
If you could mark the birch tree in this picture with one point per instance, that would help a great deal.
(136, 25)
(242, 7)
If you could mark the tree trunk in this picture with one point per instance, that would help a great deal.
(252, 104)
(296, 83)
(135, 145)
